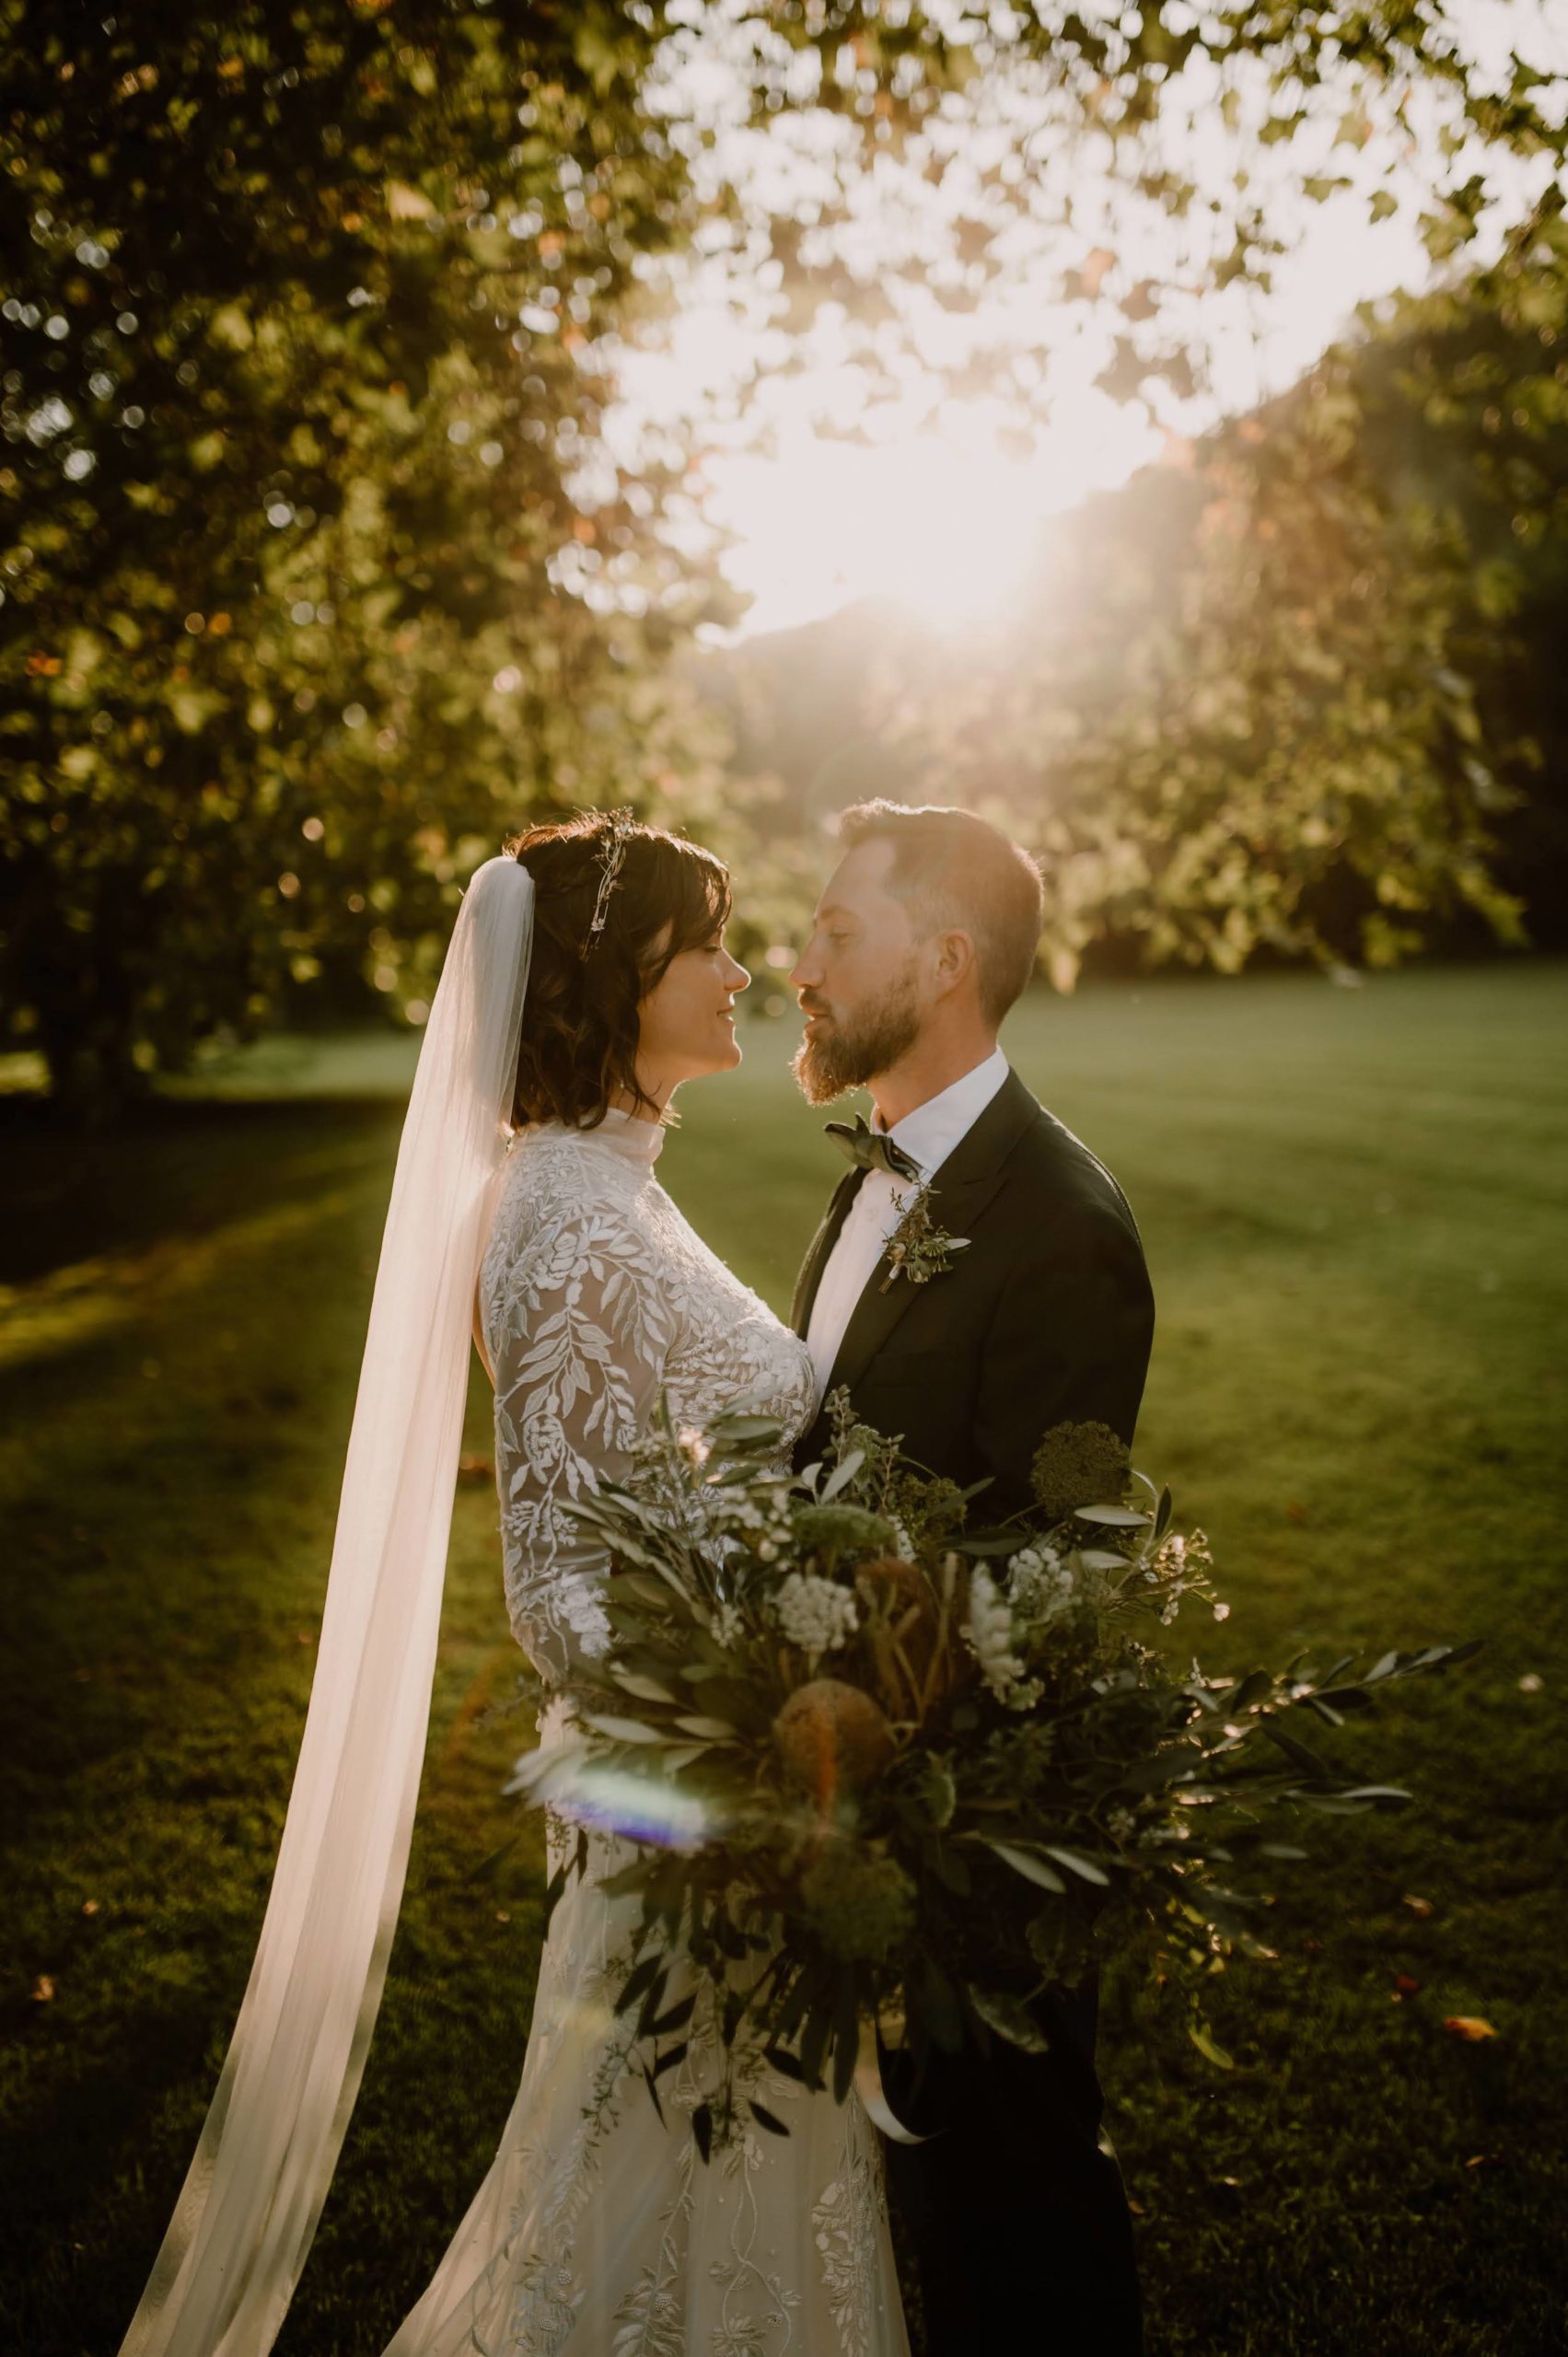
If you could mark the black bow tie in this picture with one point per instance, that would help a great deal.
(871, 1149)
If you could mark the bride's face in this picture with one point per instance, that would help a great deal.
(686, 1022)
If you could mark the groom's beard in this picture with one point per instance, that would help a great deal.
(847, 1052)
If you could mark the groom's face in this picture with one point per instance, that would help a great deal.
(858, 979)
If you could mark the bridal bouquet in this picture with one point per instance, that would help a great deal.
(878, 1765)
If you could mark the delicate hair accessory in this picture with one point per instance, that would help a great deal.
(611, 854)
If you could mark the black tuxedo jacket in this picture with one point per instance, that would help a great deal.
(1017, 2217)
(1046, 1319)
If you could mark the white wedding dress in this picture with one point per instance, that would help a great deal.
(618, 2241)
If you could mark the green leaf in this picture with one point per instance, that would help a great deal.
(488, 1864)
(1199, 2033)
(939, 1794)
(741, 1429)
(1078, 1864)
(675, 2017)
(638, 1981)
(1024, 1861)
(1113, 1518)
(842, 1475)
(1300, 1755)
(846, 2037)
(621, 1730)
(766, 2119)
(646, 1690)
(814, 2037)
(1010, 2018)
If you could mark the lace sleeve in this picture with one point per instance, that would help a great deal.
(578, 1333)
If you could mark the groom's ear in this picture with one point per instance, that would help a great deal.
(955, 965)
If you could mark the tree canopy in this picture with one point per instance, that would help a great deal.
(321, 571)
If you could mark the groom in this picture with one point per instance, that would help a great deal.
(925, 935)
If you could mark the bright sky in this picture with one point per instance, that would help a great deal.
(942, 502)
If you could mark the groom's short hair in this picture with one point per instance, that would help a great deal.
(954, 868)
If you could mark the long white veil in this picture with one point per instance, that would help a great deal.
(244, 2221)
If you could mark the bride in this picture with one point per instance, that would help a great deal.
(587, 978)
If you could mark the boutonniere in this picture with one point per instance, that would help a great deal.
(918, 1248)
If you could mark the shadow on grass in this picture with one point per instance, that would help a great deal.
(170, 1168)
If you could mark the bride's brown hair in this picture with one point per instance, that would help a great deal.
(580, 1021)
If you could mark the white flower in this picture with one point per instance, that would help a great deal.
(1040, 1585)
(989, 1633)
(814, 1614)
(726, 1626)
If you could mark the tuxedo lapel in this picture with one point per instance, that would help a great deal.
(822, 1244)
(961, 1191)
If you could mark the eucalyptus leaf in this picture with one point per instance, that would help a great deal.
(645, 1689)
(638, 1981)
(1203, 2039)
(842, 1475)
(1026, 1863)
(742, 1428)
(1010, 2018)
(846, 2037)
(621, 1730)
(1076, 1863)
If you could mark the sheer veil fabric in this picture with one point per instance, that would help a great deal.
(249, 2208)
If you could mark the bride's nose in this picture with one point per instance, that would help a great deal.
(737, 978)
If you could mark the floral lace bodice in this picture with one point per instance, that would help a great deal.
(595, 1294)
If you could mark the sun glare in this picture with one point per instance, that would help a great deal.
(933, 511)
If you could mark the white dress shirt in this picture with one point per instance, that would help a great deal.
(928, 1136)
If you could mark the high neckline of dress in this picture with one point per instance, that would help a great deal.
(623, 1134)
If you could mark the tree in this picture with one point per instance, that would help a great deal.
(312, 589)
(1294, 694)
(319, 570)
(1465, 400)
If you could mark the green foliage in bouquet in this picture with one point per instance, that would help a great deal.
(872, 1767)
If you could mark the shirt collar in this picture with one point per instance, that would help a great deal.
(934, 1129)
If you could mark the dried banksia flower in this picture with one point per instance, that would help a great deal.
(829, 1734)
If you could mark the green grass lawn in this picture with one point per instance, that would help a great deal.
(1352, 1205)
